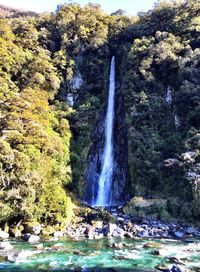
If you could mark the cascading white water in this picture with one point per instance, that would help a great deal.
(105, 181)
(169, 98)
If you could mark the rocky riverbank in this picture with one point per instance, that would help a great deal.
(115, 223)
(95, 224)
(99, 223)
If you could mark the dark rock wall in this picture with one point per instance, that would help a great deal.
(120, 193)
(94, 159)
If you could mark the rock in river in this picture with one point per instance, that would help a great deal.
(4, 235)
(30, 238)
(58, 234)
(110, 229)
(18, 256)
(6, 246)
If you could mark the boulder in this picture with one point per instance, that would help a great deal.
(90, 232)
(175, 260)
(98, 236)
(78, 253)
(164, 234)
(176, 269)
(6, 246)
(16, 232)
(4, 235)
(32, 227)
(163, 268)
(3, 258)
(129, 224)
(178, 234)
(14, 257)
(144, 233)
(117, 246)
(34, 238)
(120, 219)
(58, 234)
(110, 228)
(156, 252)
(191, 230)
(119, 232)
(152, 245)
(39, 247)
(97, 224)
(57, 246)
(128, 234)
(165, 252)
(16, 229)
(30, 238)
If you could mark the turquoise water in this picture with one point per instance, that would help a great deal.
(99, 255)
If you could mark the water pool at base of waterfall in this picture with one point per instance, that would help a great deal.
(101, 255)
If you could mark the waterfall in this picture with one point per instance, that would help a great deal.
(168, 98)
(106, 182)
(105, 179)
(176, 120)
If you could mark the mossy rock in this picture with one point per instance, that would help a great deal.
(3, 258)
(16, 230)
(147, 208)
(48, 230)
(98, 215)
(152, 245)
(97, 224)
(105, 216)
(32, 227)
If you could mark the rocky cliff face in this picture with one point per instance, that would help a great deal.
(161, 124)
(120, 179)
(157, 68)
(94, 159)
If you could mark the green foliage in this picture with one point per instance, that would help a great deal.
(82, 27)
(163, 55)
(150, 209)
(35, 135)
(6, 212)
(44, 142)
(54, 205)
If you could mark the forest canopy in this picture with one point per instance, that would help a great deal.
(44, 139)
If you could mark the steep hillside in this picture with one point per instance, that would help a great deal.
(160, 83)
(54, 72)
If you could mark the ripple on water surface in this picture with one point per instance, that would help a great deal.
(102, 255)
